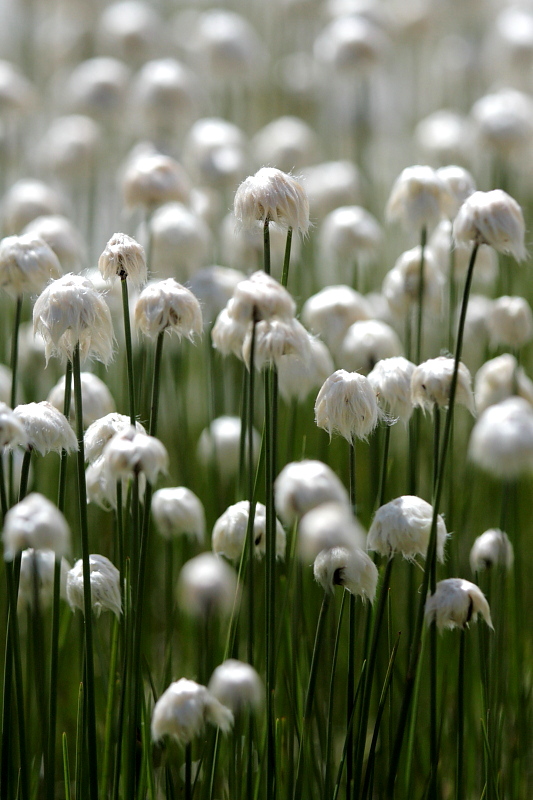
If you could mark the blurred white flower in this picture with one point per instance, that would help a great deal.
(418, 199)
(207, 585)
(403, 526)
(431, 383)
(492, 548)
(184, 708)
(177, 510)
(229, 533)
(237, 686)
(302, 485)
(391, 381)
(510, 322)
(131, 452)
(97, 400)
(38, 566)
(329, 525)
(501, 441)
(27, 263)
(456, 603)
(220, 444)
(37, 523)
(105, 586)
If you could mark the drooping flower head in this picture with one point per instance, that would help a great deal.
(275, 196)
(71, 311)
(347, 404)
(391, 381)
(229, 532)
(491, 549)
(431, 384)
(492, 218)
(455, 603)
(168, 306)
(105, 586)
(403, 526)
(184, 708)
(35, 522)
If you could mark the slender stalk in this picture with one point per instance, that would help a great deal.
(421, 289)
(129, 347)
(87, 603)
(156, 384)
(310, 696)
(11, 569)
(459, 781)
(15, 351)
(384, 465)
(415, 644)
(54, 643)
(266, 246)
(251, 500)
(188, 771)
(329, 729)
(286, 259)
(269, 584)
(433, 691)
(350, 690)
(25, 473)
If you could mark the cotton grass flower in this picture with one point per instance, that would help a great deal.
(329, 185)
(260, 297)
(350, 233)
(391, 381)
(99, 433)
(456, 603)
(40, 564)
(351, 568)
(491, 549)
(460, 185)
(12, 431)
(237, 686)
(302, 485)
(367, 342)
(61, 235)
(220, 444)
(215, 154)
(274, 196)
(500, 378)
(207, 585)
(37, 523)
(153, 179)
(129, 453)
(180, 241)
(27, 199)
(403, 526)
(168, 306)
(297, 377)
(510, 322)
(176, 511)
(501, 441)
(105, 586)
(183, 709)
(274, 339)
(214, 287)
(70, 312)
(228, 334)
(418, 199)
(27, 263)
(123, 257)
(97, 400)
(492, 218)
(230, 529)
(287, 143)
(504, 120)
(329, 525)
(401, 285)
(46, 428)
(346, 404)
(431, 384)
(330, 312)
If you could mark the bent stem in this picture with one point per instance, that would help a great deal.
(87, 602)
(417, 633)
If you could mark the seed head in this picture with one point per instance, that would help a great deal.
(105, 586)
(275, 196)
(12, 431)
(492, 548)
(70, 311)
(237, 686)
(351, 568)
(418, 199)
(391, 381)
(431, 383)
(501, 441)
(168, 306)
(229, 533)
(46, 428)
(327, 526)
(27, 263)
(367, 342)
(347, 404)
(403, 526)
(297, 378)
(500, 378)
(35, 522)
(207, 585)
(510, 322)
(97, 400)
(41, 562)
(102, 430)
(302, 485)
(330, 312)
(184, 708)
(153, 179)
(260, 297)
(131, 452)
(456, 603)
(274, 339)
(177, 510)
(123, 257)
(492, 218)
(220, 443)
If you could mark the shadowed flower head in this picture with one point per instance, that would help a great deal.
(105, 586)
(96, 398)
(71, 310)
(47, 429)
(123, 257)
(501, 441)
(41, 562)
(184, 708)
(207, 585)
(456, 602)
(275, 196)
(12, 430)
(35, 522)
(348, 567)
(431, 383)
(418, 199)
(229, 533)
(492, 548)
(326, 526)
(131, 452)
(391, 381)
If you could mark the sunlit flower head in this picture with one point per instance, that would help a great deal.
(456, 603)
(105, 586)
(492, 218)
(275, 196)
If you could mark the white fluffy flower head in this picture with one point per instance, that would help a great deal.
(97, 400)
(391, 381)
(27, 263)
(456, 603)
(168, 306)
(492, 548)
(220, 443)
(510, 322)
(131, 452)
(275, 196)
(403, 526)
(71, 311)
(347, 404)
(102, 430)
(431, 384)
(302, 485)
(260, 297)
(12, 430)
(207, 585)
(123, 257)
(105, 586)
(330, 312)
(47, 429)
(184, 708)
(153, 179)
(418, 199)
(237, 686)
(229, 532)
(351, 568)
(274, 339)
(177, 510)
(35, 522)
(492, 218)
(367, 342)
(500, 378)
(327, 526)
(501, 441)
(41, 562)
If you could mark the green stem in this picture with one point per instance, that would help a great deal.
(433, 692)
(287, 259)
(310, 696)
(350, 691)
(327, 779)
(459, 782)
(251, 500)
(25, 473)
(421, 288)
(188, 771)
(154, 405)
(54, 643)
(19, 690)
(266, 245)
(15, 351)
(129, 347)
(87, 603)
(384, 465)
(270, 557)
(415, 644)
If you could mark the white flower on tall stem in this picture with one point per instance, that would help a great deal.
(500, 378)
(260, 297)
(46, 428)
(102, 430)
(492, 218)
(229, 532)
(176, 511)
(456, 603)
(35, 522)
(391, 381)
(27, 263)
(220, 444)
(367, 342)
(330, 312)
(431, 384)
(401, 285)
(184, 708)
(70, 312)
(12, 431)
(168, 306)
(510, 322)
(351, 568)
(40, 564)
(97, 400)
(302, 485)
(105, 586)
(272, 196)
(237, 686)
(274, 339)
(501, 441)
(418, 199)
(297, 377)
(347, 404)
(491, 549)
(130, 452)
(123, 257)
(207, 585)
(153, 179)
(326, 526)
(403, 526)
